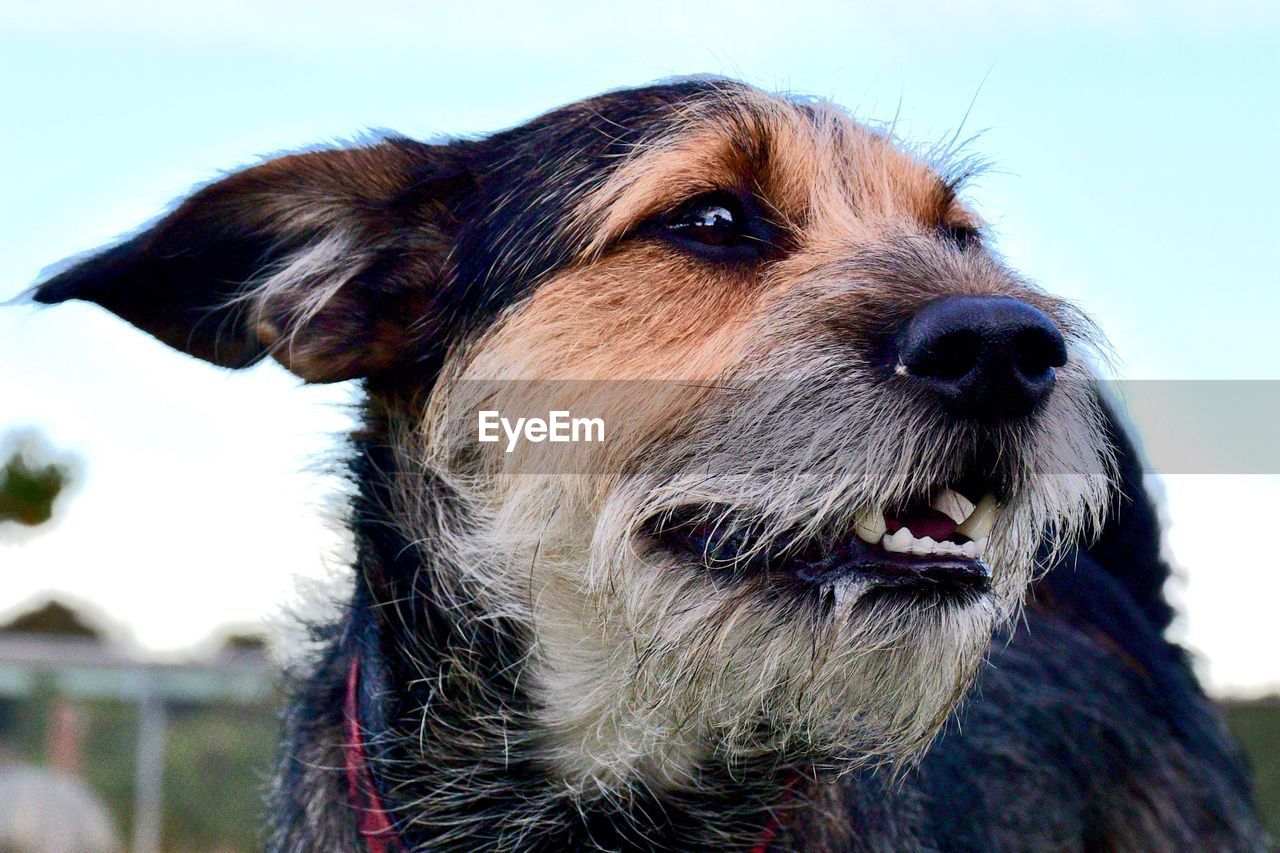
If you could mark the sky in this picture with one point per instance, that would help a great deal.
(1132, 151)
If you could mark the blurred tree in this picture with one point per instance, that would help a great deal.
(29, 488)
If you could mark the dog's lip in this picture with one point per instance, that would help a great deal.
(872, 564)
(821, 562)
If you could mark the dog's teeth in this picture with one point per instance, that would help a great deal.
(927, 545)
(899, 542)
(870, 526)
(953, 505)
(946, 547)
(903, 542)
(982, 519)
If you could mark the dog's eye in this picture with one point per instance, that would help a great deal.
(711, 222)
(962, 236)
(720, 226)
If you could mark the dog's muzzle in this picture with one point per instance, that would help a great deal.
(930, 549)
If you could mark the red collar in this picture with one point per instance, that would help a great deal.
(372, 820)
(771, 829)
(779, 817)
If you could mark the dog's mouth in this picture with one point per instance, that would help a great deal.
(930, 548)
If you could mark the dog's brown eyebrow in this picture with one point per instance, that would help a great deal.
(944, 210)
(947, 193)
(716, 142)
(655, 180)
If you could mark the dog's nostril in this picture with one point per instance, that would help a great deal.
(986, 358)
(948, 357)
(1038, 351)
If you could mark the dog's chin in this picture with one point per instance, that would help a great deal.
(837, 685)
(886, 706)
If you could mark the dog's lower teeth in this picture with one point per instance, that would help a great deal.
(973, 521)
(923, 547)
(898, 543)
(903, 542)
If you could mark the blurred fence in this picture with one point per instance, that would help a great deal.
(89, 709)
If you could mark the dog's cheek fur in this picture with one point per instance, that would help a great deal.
(643, 312)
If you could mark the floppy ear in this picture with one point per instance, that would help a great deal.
(330, 261)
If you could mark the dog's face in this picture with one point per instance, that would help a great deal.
(838, 430)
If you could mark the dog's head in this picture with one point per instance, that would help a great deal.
(837, 430)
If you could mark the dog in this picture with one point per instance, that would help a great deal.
(842, 444)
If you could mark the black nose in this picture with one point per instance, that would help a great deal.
(988, 358)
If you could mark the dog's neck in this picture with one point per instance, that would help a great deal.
(452, 740)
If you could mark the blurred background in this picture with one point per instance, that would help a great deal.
(160, 519)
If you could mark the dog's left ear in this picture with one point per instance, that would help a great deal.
(330, 261)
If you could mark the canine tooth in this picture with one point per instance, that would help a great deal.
(970, 550)
(840, 591)
(982, 519)
(953, 505)
(899, 542)
(870, 526)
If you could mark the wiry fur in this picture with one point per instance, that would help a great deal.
(536, 670)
